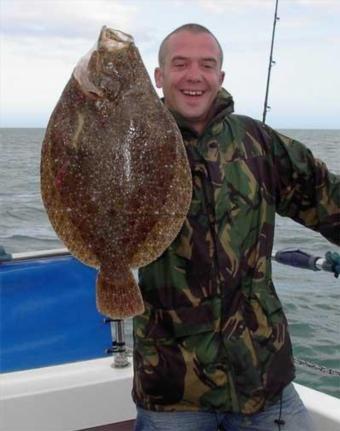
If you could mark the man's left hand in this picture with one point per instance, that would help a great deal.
(333, 258)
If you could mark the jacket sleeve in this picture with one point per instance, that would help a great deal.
(306, 190)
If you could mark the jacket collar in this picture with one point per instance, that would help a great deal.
(222, 106)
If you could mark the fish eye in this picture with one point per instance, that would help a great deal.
(109, 66)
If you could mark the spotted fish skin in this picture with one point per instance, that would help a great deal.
(115, 179)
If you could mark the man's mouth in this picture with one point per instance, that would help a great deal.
(192, 93)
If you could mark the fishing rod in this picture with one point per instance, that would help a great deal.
(271, 63)
(296, 257)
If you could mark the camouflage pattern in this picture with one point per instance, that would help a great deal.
(213, 336)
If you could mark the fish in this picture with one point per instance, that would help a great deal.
(115, 177)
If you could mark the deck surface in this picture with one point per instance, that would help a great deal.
(121, 426)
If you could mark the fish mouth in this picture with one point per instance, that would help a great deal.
(113, 40)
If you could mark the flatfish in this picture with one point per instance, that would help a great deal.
(115, 179)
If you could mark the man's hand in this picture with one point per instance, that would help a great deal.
(333, 258)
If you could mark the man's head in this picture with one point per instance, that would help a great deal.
(189, 72)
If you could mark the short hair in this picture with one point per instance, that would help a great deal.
(193, 28)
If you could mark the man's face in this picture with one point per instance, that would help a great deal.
(191, 76)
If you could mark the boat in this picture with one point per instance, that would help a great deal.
(64, 367)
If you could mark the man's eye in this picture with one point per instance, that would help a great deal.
(179, 65)
(208, 66)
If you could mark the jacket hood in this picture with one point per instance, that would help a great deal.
(224, 103)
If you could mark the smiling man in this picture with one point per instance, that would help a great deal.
(190, 75)
(212, 349)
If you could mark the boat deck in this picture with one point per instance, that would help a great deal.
(121, 426)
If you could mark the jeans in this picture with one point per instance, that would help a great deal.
(294, 417)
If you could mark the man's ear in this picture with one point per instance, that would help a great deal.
(222, 77)
(158, 77)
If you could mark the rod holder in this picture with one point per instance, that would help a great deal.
(118, 349)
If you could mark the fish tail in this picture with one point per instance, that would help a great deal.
(117, 294)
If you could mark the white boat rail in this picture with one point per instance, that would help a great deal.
(4, 257)
(292, 257)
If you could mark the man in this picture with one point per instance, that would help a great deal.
(212, 348)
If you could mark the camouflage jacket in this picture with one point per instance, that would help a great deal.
(214, 336)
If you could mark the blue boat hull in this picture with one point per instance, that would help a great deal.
(48, 314)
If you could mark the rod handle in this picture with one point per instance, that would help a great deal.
(298, 258)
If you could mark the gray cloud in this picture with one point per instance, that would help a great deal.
(71, 19)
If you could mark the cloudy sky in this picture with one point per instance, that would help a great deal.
(42, 40)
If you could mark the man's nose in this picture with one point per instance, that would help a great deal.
(194, 73)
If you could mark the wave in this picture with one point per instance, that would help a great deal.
(19, 237)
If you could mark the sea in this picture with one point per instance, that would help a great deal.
(311, 299)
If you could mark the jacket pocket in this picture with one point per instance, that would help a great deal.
(156, 323)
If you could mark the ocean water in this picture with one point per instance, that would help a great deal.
(311, 299)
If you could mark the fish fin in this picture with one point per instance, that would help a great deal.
(118, 295)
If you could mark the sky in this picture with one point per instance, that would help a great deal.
(42, 41)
